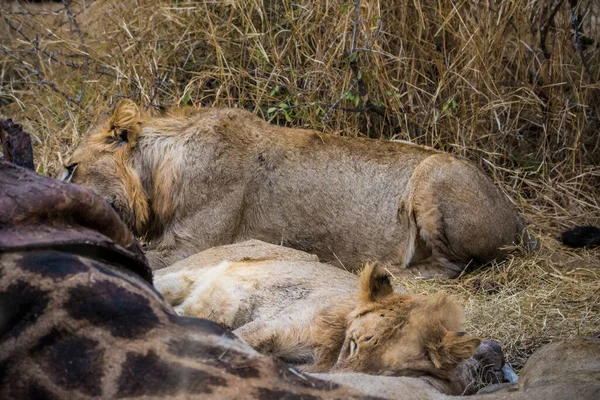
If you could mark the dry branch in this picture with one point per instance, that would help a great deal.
(548, 20)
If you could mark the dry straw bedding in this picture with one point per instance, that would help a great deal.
(500, 82)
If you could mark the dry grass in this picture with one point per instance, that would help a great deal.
(466, 76)
(530, 299)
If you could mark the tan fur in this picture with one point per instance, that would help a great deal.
(322, 318)
(191, 179)
(567, 369)
(108, 168)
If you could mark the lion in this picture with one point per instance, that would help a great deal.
(565, 369)
(320, 318)
(189, 179)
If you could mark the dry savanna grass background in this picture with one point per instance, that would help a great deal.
(511, 84)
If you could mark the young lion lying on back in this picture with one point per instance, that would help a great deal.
(323, 318)
(192, 179)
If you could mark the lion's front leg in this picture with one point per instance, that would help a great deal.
(217, 221)
(285, 341)
(259, 334)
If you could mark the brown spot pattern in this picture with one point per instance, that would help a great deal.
(148, 375)
(20, 306)
(124, 313)
(52, 264)
(76, 363)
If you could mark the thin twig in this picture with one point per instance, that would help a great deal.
(357, 81)
(355, 30)
(38, 74)
(29, 40)
(577, 38)
(83, 47)
(352, 47)
(544, 29)
(579, 48)
(383, 53)
(41, 13)
(157, 84)
(338, 101)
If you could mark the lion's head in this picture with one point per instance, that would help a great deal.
(103, 163)
(399, 334)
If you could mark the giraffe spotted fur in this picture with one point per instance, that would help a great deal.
(74, 324)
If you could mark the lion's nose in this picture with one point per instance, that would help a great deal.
(69, 171)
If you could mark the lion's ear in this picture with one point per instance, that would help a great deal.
(374, 283)
(125, 123)
(454, 348)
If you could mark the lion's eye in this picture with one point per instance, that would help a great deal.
(68, 174)
(353, 347)
(368, 338)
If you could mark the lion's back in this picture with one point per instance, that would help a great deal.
(236, 293)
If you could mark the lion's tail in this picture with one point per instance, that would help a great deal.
(581, 236)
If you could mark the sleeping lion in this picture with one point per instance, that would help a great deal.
(320, 318)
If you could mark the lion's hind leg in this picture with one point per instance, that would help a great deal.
(462, 218)
(210, 293)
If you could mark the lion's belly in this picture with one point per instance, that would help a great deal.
(344, 213)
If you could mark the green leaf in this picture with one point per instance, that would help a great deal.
(283, 106)
(187, 97)
(271, 110)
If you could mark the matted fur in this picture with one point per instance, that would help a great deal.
(191, 179)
